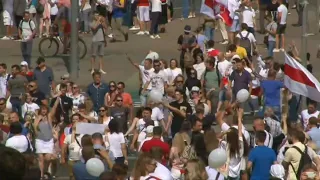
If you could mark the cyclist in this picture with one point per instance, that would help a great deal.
(64, 15)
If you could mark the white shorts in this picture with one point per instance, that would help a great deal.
(144, 13)
(44, 147)
(7, 18)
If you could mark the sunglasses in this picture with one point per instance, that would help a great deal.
(2, 104)
(74, 87)
(30, 86)
(112, 85)
(102, 110)
(179, 81)
(119, 100)
(63, 78)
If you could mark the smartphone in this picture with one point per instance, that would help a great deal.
(97, 147)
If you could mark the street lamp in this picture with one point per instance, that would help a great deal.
(74, 55)
(304, 37)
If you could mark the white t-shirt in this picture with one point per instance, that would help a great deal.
(73, 147)
(248, 16)
(155, 6)
(54, 8)
(157, 115)
(224, 66)
(19, 143)
(213, 174)
(251, 37)
(305, 116)
(225, 127)
(162, 171)
(27, 28)
(158, 81)
(115, 141)
(200, 68)
(172, 74)
(284, 13)
(29, 108)
(145, 74)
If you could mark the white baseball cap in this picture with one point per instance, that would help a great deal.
(24, 63)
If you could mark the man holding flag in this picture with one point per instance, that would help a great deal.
(227, 13)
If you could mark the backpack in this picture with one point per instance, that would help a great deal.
(29, 22)
(305, 160)
(245, 42)
(188, 152)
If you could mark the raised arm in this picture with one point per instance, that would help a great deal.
(134, 64)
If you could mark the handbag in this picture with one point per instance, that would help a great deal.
(40, 8)
(189, 152)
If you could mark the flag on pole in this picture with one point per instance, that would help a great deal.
(226, 12)
(299, 80)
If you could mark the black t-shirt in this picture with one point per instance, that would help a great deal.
(177, 119)
(63, 108)
(121, 115)
(273, 9)
(37, 97)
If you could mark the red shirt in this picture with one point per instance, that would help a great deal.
(156, 142)
(143, 3)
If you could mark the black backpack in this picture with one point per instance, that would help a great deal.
(245, 42)
(305, 160)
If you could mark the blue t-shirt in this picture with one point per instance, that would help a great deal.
(271, 92)
(117, 13)
(262, 158)
(80, 172)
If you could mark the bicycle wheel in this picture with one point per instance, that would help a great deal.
(48, 47)
(82, 48)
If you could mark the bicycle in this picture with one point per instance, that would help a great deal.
(54, 40)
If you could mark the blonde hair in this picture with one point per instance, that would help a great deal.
(196, 170)
(140, 166)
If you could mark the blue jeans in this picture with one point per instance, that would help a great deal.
(185, 8)
(144, 98)
(209, 33)
(16, 104)
(271, 46)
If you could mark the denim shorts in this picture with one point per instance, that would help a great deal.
(222, 95)
(235, 27)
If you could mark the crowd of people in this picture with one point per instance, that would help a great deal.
(45, 124)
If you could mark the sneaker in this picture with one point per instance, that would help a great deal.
(146, 32)
(157, 37)
(110, 35)
(224, 42)
(152, 37)
(5, 38)
(276, 50)
(102, 71)
(134, 28)
(126, 36)
(92, 71)
(190, 16)
(140, 33)
(282, 49)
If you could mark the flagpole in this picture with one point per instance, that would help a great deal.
(304, 37)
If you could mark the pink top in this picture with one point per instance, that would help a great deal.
(66, 3)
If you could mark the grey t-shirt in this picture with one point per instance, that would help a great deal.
(272, 26)
(98, 34)
(17, 85)
(45, 131)
(120, 114)
(44, 79)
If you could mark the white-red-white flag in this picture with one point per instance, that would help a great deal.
(299, 80)
(226, 9)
